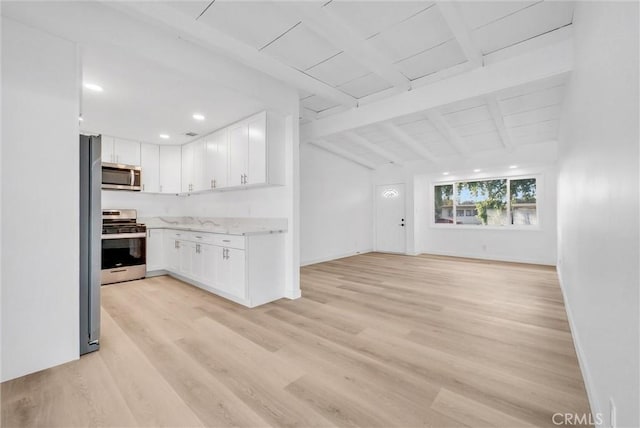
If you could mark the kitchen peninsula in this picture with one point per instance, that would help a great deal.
(241, 259)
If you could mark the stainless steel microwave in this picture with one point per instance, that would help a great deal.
(121, 177)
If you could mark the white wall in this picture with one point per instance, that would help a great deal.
(335, 205)
(598, 205)
(537, 245)
(527, 245)
(147, 205)
(40, 179)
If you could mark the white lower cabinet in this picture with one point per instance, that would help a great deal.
(171, 252)
(155, 249)
(185, 251)
(248, 270)
(230, 272)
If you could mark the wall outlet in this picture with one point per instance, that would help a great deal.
(612, 413)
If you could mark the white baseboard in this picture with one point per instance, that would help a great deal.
(333, 257)
(293, 294)
(489, 257)
(151, 274)
(582, 360)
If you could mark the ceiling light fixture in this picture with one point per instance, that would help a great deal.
(164, 136)
(93, 87)
(198, 116)
(513, 166)
(477, 170)
(445, 173)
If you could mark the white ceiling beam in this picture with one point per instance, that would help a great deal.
(447, 132)
(550, 61)
(339, 151)
(465, 67)
(332, 28)
(498, 119)
(460, 31)
(308, 113)
(541, 41)
(197, 32)
(399, 135)
(381, 151)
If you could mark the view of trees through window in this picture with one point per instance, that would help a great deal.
(496, 202)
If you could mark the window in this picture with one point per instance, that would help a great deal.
(524, 209)
(443, 203)
(495, 202)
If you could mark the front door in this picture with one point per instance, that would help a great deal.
(390, 219)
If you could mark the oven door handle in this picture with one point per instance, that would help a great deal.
(125, 235)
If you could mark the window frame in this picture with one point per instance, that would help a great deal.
(533, 227)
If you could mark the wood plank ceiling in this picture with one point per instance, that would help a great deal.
(371, 50)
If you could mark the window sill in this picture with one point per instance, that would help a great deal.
(535, 228)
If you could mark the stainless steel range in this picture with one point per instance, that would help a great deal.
(124, 246)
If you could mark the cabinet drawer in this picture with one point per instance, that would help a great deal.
(230, 241)
(177, 234)
(207, 238)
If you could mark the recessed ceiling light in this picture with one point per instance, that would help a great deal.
(477, 170)
(445, 173)
(93, 87)
(513, 166)
(164, 136)
(198, 116)
(80, 118)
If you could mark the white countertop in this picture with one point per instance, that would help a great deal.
(224, 225)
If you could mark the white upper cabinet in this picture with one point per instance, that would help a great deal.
(248, 153)
(256, 151)
(107, 149)
(216, 159)
(170, 167)
(116, 150)
(187, 168)
(193, 159)
(150, 163)
(238, 153)
(199, 181)
(126, 152)
(257, 156)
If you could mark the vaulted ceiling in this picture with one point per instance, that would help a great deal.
(379, 81)
(347, 54)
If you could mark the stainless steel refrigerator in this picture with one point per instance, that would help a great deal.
(90, 242)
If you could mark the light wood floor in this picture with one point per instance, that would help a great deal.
(376, 341)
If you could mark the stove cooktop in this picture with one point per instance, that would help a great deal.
(110, 229)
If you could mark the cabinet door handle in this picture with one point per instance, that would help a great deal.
(241, 178)
(214, 183)
(161, 188)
